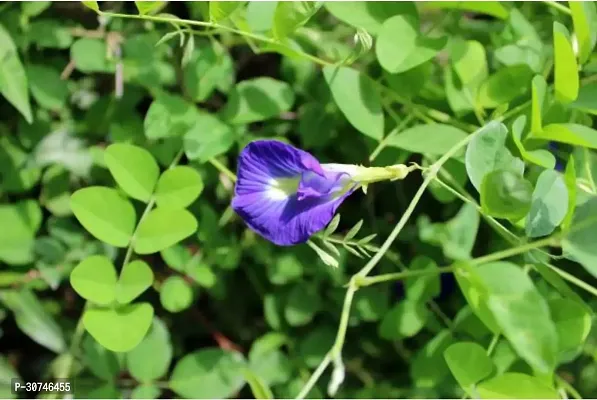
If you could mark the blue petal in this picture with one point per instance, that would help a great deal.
(284, 194)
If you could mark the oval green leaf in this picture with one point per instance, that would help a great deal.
(369, 15)
(13, 80)
(566, 80)
(505, 85)
(120, 329)
(219, 371)
(432, 139)
(176, 294)
(134, 169)
(151, 359)
(549, 204)
(411, 50)
(94, 279)
(358, 99)
(178, 187)
(506, 194)
(105, 214)
(162, 228)
(514, 385)
(469, 363)
(584, 18)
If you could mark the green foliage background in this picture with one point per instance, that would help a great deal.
(125, 271)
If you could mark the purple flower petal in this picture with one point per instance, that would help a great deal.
(285, 194)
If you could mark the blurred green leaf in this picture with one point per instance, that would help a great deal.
(302, 305)
(258, 387)
(570, 182)
(433, 139)
(565, 68)
(429, 367)
(493, 8)
(514, 385)
(260, 15)
(584, 17)
(47, 88)
(178, 187)
(13, 80)
(162, 228)
(580, 241)
(151, 359)
(91, 5)
(505, 85)
(357, 98)
(403, 320)
(220, 10)
(149, 7)
(24, 219)
(289, 16)
(168, 116)
(7, 374)
(574, 134)
(370, 15)
(134, 169)
(573, 324)
(119, 329)
(540, 157)
(549, 204)
(105, 214)
(412, 49)
(209, 67)
(95, 279)
(49, 33)
(175, 294)
(102, 362)
(469, 363)
(257, 99)
(91, 55)
(219, 371)
(200, 146)
(146, 391)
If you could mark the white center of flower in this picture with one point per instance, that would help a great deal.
(283, 188)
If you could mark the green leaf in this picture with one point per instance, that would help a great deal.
(135, 278)
(580, 241)
(149, 7)
(487, 152)
(573, 324)
(209, 66)
(521, 313)
(506, 194)
(175, 294)
(7, 374)
(372, 303)
(539, 90)
(541, 157)
(33, 319)
(404, 320)
(285, 269)
(432, 139)
(259, 388)
(268, 362)
(200, 146)
(493, 8)
(220, 10)
(95, 279)
(146, 391)
(371, 15)
(575, 134)
(505, 85)
(120, 329)
(570, 181)
(46, 86)
(162, 228)
(101, 361)
(514, 385)
(260, 15)
(219, 371)
(134, 169)
(90, 55)
(429, 368)
(151, 359)
(91, 5)
(178, 187)
(461, 233)
(303, 302)
(257, 99)
(358, 99)
(584, 17)
(469, 363)
(587, 99)
(549, 204)
(421, 289)
(169, 116)
(50, 33)
(566, 80)
(105, 214)
(411, 50)
(13, 80)
(24, 219)
(470, 63)
(476, 294)
(289, 16)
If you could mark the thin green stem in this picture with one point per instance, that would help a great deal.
(494, 341)
(396, 276)
(573, 280)
(499, 255)
(394, 132)
(315, 376)
(251, 35)
(568, 387)
(557, 6)
(223, 169)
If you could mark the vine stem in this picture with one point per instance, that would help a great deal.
(402, 275)
(353, 285)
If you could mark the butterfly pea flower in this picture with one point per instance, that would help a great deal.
(286, 195)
